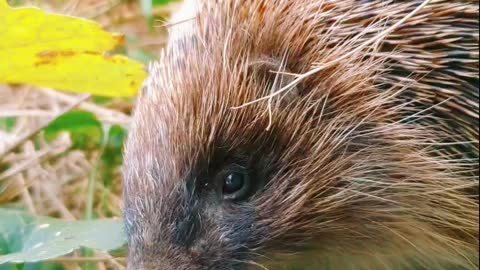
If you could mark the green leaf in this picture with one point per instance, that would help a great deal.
(161, 2)
(27, 238)
(84, 128)
(8, 123)
(16, 3)
(112, 154)
(32, 266)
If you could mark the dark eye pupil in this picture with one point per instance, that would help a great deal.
(233, 182)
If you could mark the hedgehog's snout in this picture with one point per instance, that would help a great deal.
(194, 228)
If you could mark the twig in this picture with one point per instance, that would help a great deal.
(45, 113)
(58, 204)
(123, 119)
(27, 199)
(29, 135)
(24, 165)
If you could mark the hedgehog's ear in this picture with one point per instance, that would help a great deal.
(273, 75)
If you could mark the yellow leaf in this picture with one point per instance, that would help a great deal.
(64, 53)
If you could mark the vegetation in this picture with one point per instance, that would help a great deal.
(69, 73)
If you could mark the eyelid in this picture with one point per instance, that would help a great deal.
(234, 167)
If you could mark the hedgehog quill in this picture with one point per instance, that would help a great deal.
(284, 134)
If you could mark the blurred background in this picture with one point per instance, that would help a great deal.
(71, 168)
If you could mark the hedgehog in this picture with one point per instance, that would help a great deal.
(309, 134)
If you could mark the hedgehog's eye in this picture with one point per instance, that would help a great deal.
(236, 185)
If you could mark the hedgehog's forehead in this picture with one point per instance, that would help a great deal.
(183, 123)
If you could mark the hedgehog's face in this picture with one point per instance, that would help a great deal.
(195, 181)
(207, 221)
(199, 213)
(204, 183)
(208, 186)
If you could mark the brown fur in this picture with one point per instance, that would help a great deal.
(370, 162)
